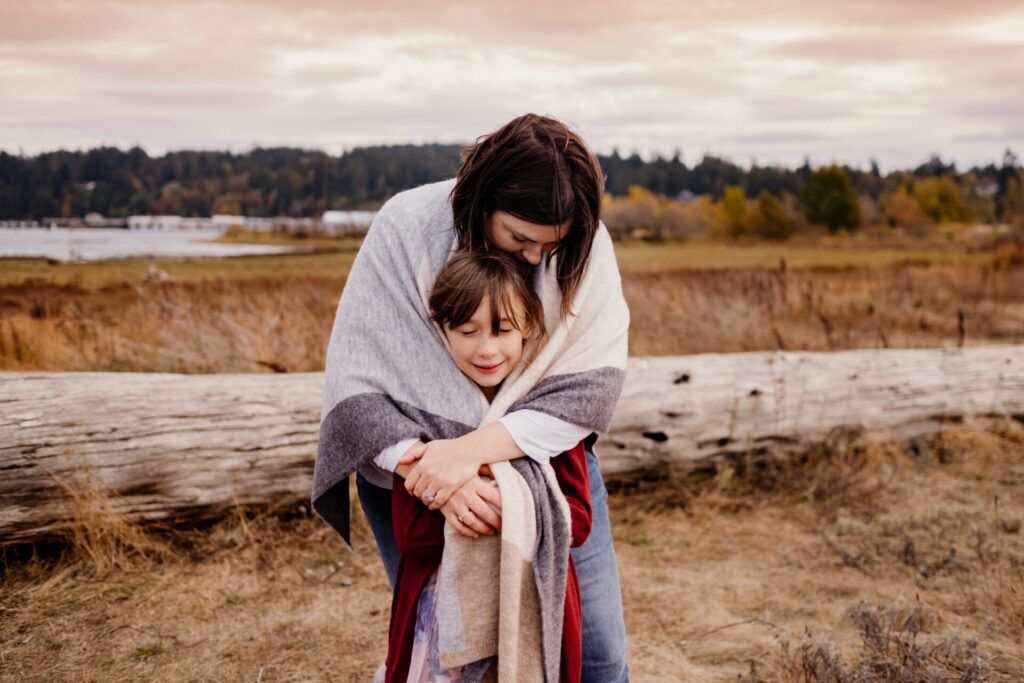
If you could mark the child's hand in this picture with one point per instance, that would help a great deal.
(474, 509)
(414, 453)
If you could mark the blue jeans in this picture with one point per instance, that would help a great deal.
(604, 630)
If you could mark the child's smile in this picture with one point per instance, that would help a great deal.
(484, 356)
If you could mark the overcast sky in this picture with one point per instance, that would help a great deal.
(843, 81)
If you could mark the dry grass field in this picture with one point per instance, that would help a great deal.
(862, 561)
(274, 313)
(332, 257)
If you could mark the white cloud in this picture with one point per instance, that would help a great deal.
(846, 81)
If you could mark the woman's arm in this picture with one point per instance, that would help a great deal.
(476, 496)
(446, 464)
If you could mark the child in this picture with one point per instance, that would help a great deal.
(491, 317)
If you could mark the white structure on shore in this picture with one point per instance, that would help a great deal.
(347, 222)
(332, 222)
(221, 222)
(169, 223)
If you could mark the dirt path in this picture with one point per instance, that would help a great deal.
(715, 576)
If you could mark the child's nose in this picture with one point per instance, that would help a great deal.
(488, 347)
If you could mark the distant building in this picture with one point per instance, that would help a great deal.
(91, 220)
(168, 223)
(347, 222)
(685, 197)
(60, 222)
(226, 220)
(95, 220)
(342, 222)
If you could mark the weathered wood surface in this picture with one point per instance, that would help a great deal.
(701, 407)
(166, 447)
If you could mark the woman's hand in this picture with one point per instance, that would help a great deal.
(469, 510)
(443, 466)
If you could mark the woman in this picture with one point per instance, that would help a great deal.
(532, 189)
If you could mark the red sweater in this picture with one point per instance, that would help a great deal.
(419, 533)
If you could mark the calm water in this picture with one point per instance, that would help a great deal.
(97, 244)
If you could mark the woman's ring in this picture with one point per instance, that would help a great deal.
(429, 497)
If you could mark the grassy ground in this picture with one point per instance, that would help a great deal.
(20, 272)
(647, 257)
(333, 258)
(863, 561)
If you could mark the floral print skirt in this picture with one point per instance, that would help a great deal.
(425, 666)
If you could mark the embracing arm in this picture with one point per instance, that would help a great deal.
(448, 463)
(476, 495)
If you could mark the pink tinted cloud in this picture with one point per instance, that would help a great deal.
(834, 80)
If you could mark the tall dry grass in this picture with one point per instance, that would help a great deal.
(262, 325)
(824, 309)
(283, 324)
(99, 539)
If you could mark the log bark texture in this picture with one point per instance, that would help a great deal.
(177, 447)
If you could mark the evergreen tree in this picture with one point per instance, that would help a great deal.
(830, 199)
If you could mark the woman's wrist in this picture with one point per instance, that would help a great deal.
(467, 449)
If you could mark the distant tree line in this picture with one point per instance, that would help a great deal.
(768, 200)
(263, 182)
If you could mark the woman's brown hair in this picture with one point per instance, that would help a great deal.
(537, 169)
(470, 276)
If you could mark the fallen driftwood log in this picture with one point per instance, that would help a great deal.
(175, 447)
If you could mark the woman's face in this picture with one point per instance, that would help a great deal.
(528, 241)
(485, 357)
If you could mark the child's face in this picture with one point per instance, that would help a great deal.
(484, 357)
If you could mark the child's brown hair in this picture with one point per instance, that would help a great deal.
(468, 277)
